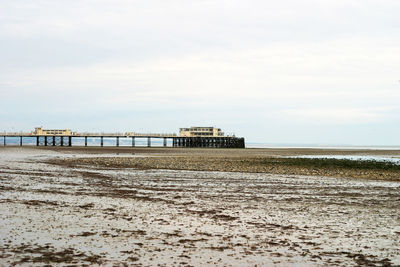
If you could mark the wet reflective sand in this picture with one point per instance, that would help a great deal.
(64, 215)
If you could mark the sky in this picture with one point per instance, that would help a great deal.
(291, 71)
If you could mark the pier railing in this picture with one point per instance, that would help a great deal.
(152, 134)
(83, 134)
(14, 133)
(98, 134)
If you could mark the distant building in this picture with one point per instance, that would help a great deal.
(200, 132)
(40, 131)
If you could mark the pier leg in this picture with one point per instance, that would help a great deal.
(69, 140)
(20, 141)
(133, 141)
(4, 141)
(45, 141)
(54, 141)
(148, 142)
(101, 141)
(85, 140)
(37, 140)
(62, 140)
(117, 140)
(165, 141)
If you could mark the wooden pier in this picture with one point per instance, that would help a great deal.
(174, 141)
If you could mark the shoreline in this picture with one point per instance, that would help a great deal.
(271, 165)
(218, 151)
(270, 161)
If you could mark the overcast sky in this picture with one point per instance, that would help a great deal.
(289, 71)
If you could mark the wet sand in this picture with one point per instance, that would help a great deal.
(220, 151)
(272, 161)
(89, 214)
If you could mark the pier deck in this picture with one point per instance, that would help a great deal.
(16, 139)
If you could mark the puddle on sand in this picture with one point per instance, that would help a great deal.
(52, 214)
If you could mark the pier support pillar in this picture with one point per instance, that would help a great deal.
(133, 141)
(148, 141)
(54, 141)
(45, 141)
(4, 141)
(101, 141)
(20, 141)
(62, 141)
(117, 140)
(85, 140)
(69, 140)
(165, 141)
(37, 140)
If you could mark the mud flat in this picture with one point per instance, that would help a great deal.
(62, 207)
(345, 168)
(219, 151)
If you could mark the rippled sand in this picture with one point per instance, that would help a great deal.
(84, 215)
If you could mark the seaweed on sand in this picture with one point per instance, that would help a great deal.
(334, 163)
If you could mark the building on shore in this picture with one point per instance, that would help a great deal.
(40, 131)
(201, 132)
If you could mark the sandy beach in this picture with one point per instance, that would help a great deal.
(222, 151)
(266, 160)
(137, 207)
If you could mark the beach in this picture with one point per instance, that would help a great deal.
(273, 161)
(195, 207)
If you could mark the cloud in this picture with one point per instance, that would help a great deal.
(301, 72)
(340, 115)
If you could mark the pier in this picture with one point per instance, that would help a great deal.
(114, 139)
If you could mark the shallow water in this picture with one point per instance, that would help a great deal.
(53, 214)
(392, 159)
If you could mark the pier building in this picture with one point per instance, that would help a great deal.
(40, 131)
(200, 132)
